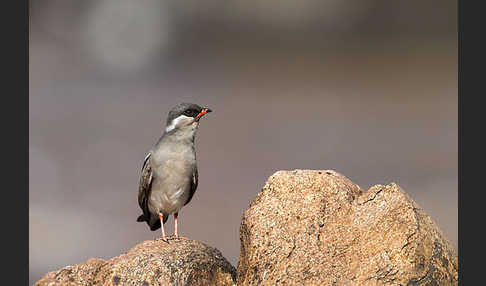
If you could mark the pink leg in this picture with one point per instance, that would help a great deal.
(164, 236)
(176, 234)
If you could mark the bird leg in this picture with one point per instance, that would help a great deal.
(176, 234)
(164, 236)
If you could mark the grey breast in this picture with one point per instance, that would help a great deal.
(173, 168)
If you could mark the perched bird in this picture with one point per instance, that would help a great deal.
(169, 175)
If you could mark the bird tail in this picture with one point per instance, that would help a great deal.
(154, 225)
(152, 221)
(142, 218)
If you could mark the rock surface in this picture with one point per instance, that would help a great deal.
(311, 227)
(182, 262)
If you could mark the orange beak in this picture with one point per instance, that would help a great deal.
(203, 111)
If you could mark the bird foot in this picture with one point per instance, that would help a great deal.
(164, 239)
(174, 237)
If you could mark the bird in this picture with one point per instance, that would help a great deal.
(169, 176)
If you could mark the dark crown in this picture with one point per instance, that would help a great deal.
(187, 109)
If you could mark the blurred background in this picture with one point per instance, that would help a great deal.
(366, 88)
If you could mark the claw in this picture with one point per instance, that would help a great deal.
(164, 239)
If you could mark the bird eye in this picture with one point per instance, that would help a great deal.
(188, 112)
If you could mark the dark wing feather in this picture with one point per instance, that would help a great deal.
(194, 183)
(145, 188)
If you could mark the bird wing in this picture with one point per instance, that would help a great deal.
(145, 187)
(194, 183)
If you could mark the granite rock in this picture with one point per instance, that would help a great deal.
(152, 262)
(311, 227)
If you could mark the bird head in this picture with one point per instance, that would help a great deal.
(185, 116)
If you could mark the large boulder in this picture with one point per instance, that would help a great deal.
(182, 262)
(311, 227)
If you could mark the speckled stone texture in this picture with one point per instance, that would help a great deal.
(182, 262)
(310, 227)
